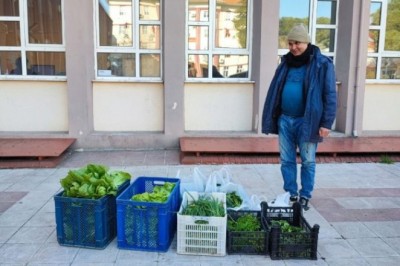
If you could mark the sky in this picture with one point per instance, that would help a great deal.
(294, 8)
(300, 8)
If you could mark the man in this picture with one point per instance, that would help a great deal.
(300, 107)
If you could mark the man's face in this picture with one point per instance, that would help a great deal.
(297, 48)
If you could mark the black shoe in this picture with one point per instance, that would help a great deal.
(304, 203)
(293, 199)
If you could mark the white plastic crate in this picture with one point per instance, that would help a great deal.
(201, 235)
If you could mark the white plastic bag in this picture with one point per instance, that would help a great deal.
(239, 190)
(254, 203)
(217, 179)
(224, 175)
(282, 200)
(196, 184)
(212, 184)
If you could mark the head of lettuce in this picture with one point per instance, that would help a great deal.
(93, 182)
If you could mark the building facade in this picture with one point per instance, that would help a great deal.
(140, 74)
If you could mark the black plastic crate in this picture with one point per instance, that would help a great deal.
(290, 245)
(247, 242)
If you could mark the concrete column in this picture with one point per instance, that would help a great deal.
(79, 34)
(264, 53)
(351, 54)
(174, 66)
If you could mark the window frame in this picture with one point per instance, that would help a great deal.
(381, 53)
(313, 27)
(134, 49)
(212, 50)
(28, 47)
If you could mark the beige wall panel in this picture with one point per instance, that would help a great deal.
(33, 106)
(128, 107)
(218, 107)
(381, 107)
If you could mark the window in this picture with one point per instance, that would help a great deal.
(383, 61)
(32, 42)
(318, 15)
(128, 39)
(216, 47)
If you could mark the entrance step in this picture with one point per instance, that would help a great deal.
(33, 152)
(217, 150)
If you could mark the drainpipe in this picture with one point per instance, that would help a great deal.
(357, 72)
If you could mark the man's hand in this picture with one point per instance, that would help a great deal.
(324, 132)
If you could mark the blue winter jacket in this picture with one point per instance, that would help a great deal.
(320, 105)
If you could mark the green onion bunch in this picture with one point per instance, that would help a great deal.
(205, 205)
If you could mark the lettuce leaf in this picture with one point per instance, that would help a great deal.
(159, 194)
(93, 181)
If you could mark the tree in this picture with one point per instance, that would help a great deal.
(324, 38)
(240, 22)
(392, 40)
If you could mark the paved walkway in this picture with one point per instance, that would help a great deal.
(356, 205)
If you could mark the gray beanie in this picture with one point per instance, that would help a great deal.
(299, 33)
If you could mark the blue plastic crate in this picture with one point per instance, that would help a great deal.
(88, 223)
(147, 226)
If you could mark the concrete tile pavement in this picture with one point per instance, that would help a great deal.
(356, 205)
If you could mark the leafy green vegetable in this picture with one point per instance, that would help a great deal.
(245, 223)
(205, 205)
(233, 200)
(160, 194)
(286, 227)
(93, 181)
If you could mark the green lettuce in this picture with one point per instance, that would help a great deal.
(159, 194)
(93, 181)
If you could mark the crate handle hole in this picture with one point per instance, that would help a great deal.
(201, 222)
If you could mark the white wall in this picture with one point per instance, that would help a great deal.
(218, 107)
(128, 107)
(30, 106)
(381, 107)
